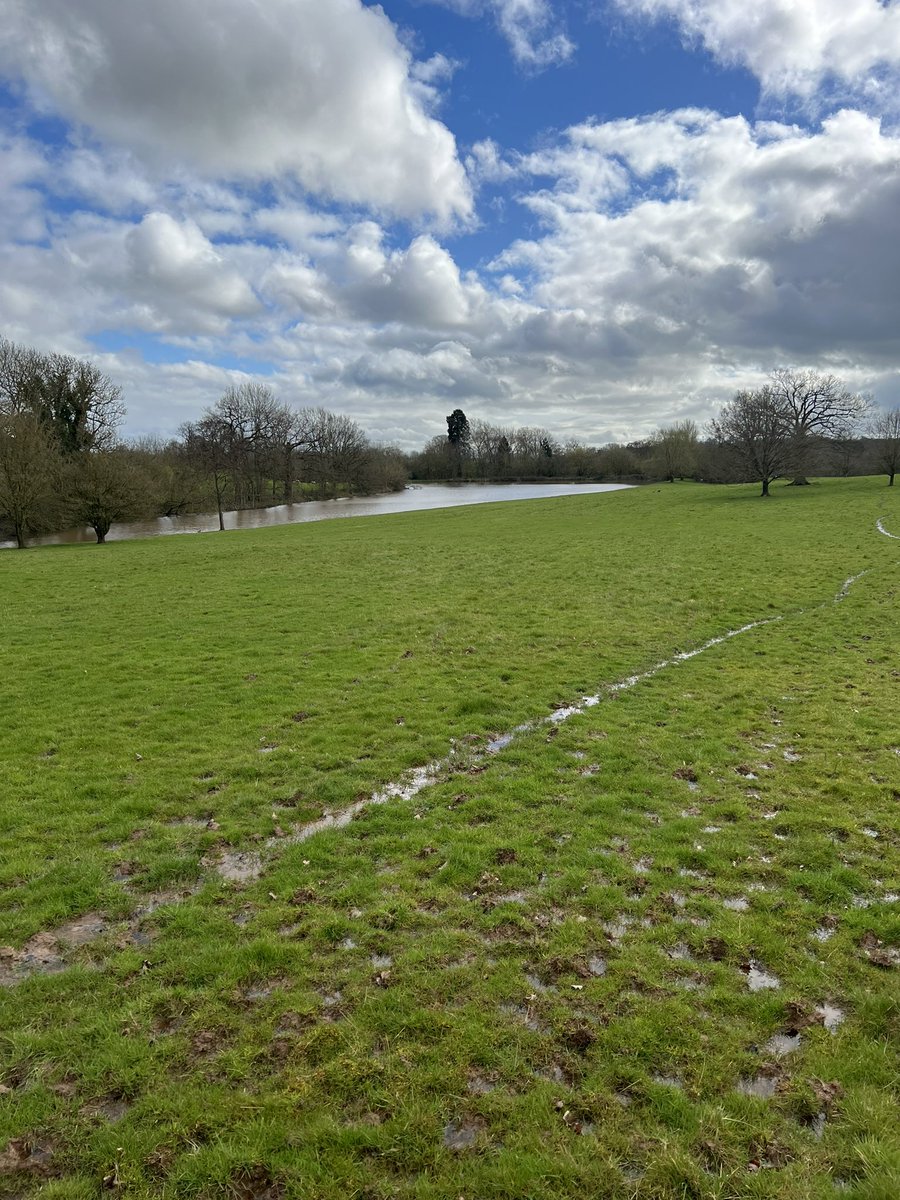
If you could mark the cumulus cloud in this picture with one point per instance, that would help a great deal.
(319, 93)
(533, 30)
(792, 46)
(717, 237)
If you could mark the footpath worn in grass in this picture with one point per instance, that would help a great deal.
(649, 951)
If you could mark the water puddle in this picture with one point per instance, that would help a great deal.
(832, 1017)
(479, 1086)
(759, 980)
(763, 1087)
(783, 1043)
(597, 965)
(791, 756)
(459, 1135)
(848, 583)
(736, 904)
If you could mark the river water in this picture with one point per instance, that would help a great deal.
(415, 498)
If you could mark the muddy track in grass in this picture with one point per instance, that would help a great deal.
(47, 952)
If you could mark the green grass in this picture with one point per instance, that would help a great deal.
(530, 959)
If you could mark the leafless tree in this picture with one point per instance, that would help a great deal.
(884, 427)
(75, 400)
(758, 432)
(674, 450)
(29, 474)
(814, 404)
(105, 486)
(208, 447)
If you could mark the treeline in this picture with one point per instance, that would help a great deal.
(63, 463)
(801, 423)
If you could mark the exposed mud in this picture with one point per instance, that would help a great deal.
(459, 1135)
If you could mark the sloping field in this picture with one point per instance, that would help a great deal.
(645, 947)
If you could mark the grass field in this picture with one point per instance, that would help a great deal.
(647, 951)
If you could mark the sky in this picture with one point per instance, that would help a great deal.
(593, 216)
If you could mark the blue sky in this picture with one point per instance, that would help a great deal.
(596, 217)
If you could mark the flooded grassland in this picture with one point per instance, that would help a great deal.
(544, 849)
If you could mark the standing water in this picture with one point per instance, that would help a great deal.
(413, 499)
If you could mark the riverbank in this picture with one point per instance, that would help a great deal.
(415, 498)
(616, 913)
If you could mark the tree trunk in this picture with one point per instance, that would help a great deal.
(891, 479)
(765, 488)
(21, 542)
(800, 481)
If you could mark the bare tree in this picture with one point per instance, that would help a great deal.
(106, 486)
(208, 447)
(29, 474)
(884, 427)
(758, 432)
(75, 400)
(814, 404)
(674, 450)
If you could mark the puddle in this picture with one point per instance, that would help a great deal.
(671, 1081)
(817, 1126)
(689, 983)
(832, 1016)
(459, 1135)
(44, 953)
(680, 952)
(380, 962)
(791, 756)
(711, 829)
(643, 865)
(759, 980)
(111, 1110)
(870, 832)
(782, 1043)
(763, 1087)
(406, 789)
(348, 944)
(524, 1015)
(736, 904)
(536, 984)
(236, 866)
(618, 928)
(822, 934)
(597, 965)
(479, 1086)
(553, 1074)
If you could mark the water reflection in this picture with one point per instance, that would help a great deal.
(413, 499)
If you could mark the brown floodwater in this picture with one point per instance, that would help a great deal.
(414, 499)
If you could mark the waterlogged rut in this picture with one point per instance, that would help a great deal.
(46, 951)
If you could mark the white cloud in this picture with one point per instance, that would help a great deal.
(296, 89)
(792, 46)
(534, 32)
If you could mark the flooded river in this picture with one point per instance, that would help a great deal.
(415, 498)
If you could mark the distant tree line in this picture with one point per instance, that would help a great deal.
(63, 463)
(800, 423)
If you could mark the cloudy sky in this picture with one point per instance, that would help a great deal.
(598, 216)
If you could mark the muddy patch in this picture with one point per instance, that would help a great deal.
(45, 953)
(460, 1136)
(28, 1156)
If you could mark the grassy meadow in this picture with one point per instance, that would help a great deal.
(650, 951)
